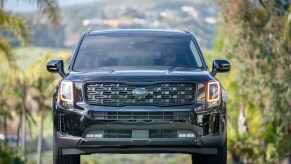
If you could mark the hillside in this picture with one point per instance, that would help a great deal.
(196, 16)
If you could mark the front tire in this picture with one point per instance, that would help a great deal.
(63, 159)
(219, 158)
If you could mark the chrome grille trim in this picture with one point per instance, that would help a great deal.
(120, 94)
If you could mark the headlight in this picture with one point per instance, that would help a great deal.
(213, 94)
(70, 94)
(213, 91)
(66, 92)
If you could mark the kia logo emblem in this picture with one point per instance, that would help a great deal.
(140, 93)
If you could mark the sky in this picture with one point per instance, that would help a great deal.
(27, 5)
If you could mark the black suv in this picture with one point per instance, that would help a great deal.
(139, 91)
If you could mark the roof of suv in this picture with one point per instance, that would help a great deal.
(139, 32)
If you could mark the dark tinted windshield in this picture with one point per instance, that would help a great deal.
(106, 51)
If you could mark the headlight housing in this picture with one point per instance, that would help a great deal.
(213, 94)
(70, 93)
(66, 92)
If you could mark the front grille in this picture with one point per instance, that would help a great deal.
(121, 94)
(140, 115)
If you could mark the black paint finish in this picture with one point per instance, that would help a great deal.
(73, 123)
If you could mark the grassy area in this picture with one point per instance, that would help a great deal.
(136, 158)
(123, 158)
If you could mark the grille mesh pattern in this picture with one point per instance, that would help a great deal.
(140, 115)
(120, 94)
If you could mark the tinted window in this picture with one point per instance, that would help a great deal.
(105, 51)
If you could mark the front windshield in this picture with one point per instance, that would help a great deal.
(107, 51)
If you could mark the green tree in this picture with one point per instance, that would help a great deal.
(5, 115)
(257, 39)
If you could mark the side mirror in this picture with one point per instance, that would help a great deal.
(56, 66)
(220, 65)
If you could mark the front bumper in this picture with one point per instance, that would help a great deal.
(72, 125)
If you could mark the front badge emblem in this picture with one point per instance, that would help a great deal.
(140, 93)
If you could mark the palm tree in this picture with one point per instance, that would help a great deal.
(14, 95)
(18, 27)
(5, 115)
(40, 84)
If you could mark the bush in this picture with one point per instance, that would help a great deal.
(17, 156)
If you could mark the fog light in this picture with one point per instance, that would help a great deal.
(185, 134)
(95, 134)
(190, 135)
(98, 136)
(89, 136)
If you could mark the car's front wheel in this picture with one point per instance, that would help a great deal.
(219, 158)
(59, 158)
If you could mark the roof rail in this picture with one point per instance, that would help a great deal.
(87, 31)
(187, 31)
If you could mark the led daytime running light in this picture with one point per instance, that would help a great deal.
(209, 85)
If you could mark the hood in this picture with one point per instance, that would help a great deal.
(141, 74)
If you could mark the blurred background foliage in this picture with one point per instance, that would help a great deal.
(255, 35)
